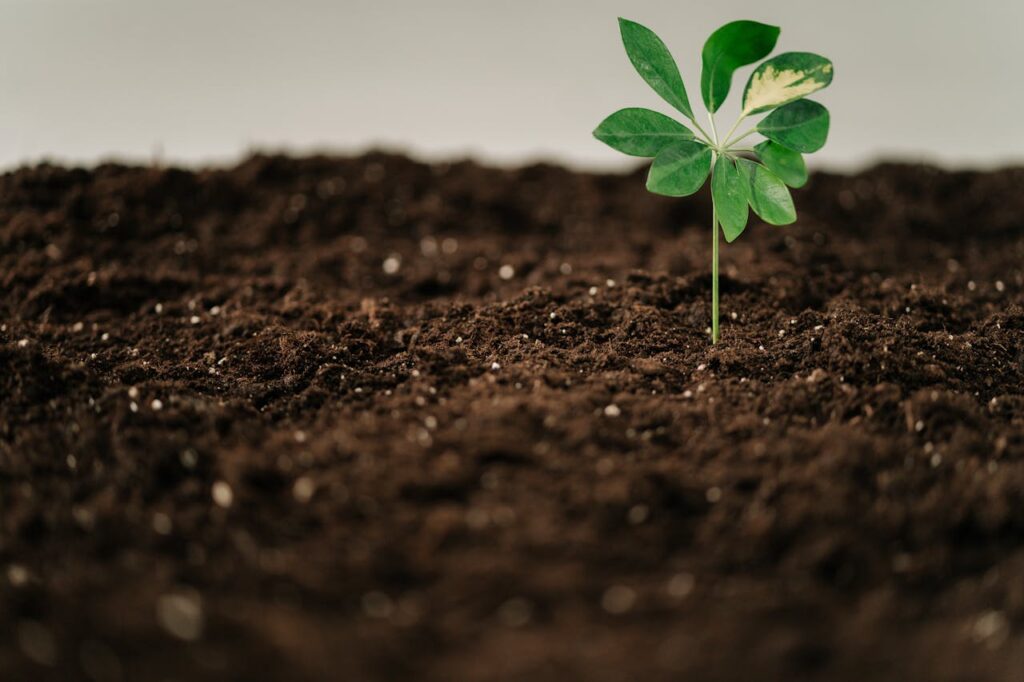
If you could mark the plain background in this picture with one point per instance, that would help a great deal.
(203, 81)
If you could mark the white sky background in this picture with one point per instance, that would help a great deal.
(202, 81)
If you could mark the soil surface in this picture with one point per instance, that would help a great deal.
(370, 419)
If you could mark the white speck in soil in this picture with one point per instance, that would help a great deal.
(971, 285)
(680, 585)
(215, 310)
(22, 343)
(495, 366)
(592, 291)
(189, 458)
(565, 269)
(618, 599)
(157, 404)
(506, 272)
(612, 410)
(638, 513)
(17, 575)
(158, 308)
(222, 494)
(1000, 287)
(180, 614)
(133, 406)
(84, 517)
(515, 612)
(449, 245)
(303, 489)
(713, 494)
(992, 628)
(610, 283)
(162, 524)
(391, 264)
(935, 461)
(428, 247)
(77, 327)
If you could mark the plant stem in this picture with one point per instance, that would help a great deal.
(714, 242)
(750, 132)
(701, 130)
(714, 132)
(732, 130)
(714, 276)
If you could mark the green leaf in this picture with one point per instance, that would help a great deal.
(802, 126)
(734, 45)
(680, 169)
(640, 132)
(785, 78)
(768, 196)
(655, 65)
(729, 195)
(785, 163)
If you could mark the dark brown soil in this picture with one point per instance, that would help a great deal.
(296, 420)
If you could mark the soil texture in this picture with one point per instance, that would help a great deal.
(372, 419)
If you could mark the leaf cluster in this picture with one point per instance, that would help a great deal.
(743, 178)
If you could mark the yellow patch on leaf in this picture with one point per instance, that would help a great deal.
(771, 87)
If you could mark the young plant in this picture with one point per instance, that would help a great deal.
(741, 176)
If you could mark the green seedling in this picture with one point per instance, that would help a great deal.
(742, 176)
